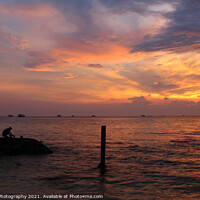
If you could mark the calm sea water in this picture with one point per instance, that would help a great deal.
(147, 158)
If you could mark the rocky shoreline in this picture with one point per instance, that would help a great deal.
(22, 146)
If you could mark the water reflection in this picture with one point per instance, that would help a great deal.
(148, 158)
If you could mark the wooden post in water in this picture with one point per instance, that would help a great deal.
(103, 147)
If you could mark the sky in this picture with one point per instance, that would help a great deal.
(103, 57)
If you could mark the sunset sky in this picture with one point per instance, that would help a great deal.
(103, 57)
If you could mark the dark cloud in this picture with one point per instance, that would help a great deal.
(139, 100)
(179, 103)
(82, 7)
(88, 30)
(138, 106)
(79, 9)
(77, 12)
(195, 77)
(162, 86)
(121, 7)
(182, 33)
(9, 41)
(37, 59)
(185, 90)
(95, 65)
(179, 107)
(150, 81)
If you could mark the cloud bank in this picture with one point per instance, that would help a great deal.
(102, 52)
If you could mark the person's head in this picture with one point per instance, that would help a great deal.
(10, 128)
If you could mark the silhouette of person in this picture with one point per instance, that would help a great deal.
(6, 133)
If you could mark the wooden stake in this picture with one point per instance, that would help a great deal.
(103, 147)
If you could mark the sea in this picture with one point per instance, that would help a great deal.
(147, 158)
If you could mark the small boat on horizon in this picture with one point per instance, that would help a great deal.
(20, 115)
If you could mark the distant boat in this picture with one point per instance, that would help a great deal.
(10, 115)
(58, 115)
(73, 116)
(93, 115)
(143, 115)
(21, 115)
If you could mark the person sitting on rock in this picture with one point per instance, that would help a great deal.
(6, 133)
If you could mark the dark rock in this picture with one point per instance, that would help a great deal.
(19, 146)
